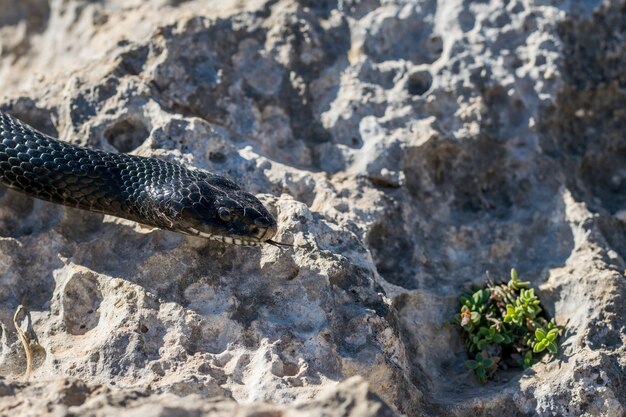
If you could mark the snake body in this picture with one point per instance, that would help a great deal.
(150, 191)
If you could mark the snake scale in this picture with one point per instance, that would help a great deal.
(150, 191)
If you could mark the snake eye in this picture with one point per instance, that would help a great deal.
(224, 214)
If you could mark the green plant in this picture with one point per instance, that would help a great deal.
(504, 324)
(546, 338)
(481, 365)
(527, 360)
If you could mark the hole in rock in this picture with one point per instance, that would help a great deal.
(392, 251)
(21, 215)
(126, 135)
(14, 213)
(81, 303)
(39, 355)
(217, 157)
(419, 83)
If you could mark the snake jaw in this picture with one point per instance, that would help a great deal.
(236, 241)
(239, 241)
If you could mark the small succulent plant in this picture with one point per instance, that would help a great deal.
(482, 366)
(504, 325)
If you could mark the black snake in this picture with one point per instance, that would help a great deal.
(150, 191)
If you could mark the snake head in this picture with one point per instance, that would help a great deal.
(218, 209)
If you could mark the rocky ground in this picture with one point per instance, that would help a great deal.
(407, 148)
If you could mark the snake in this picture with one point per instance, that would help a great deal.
(150, 191)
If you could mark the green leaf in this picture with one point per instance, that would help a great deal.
(475, 318)
(515, 283)
(540, 334)
(552, 335)
(476, 297)
(481, 297)
(527, 296)
(552, 348)
(528, 360)
(498, 338)
(471, 364)
(541, 346)
(510, 316)
(488, 363)
(471, 346)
